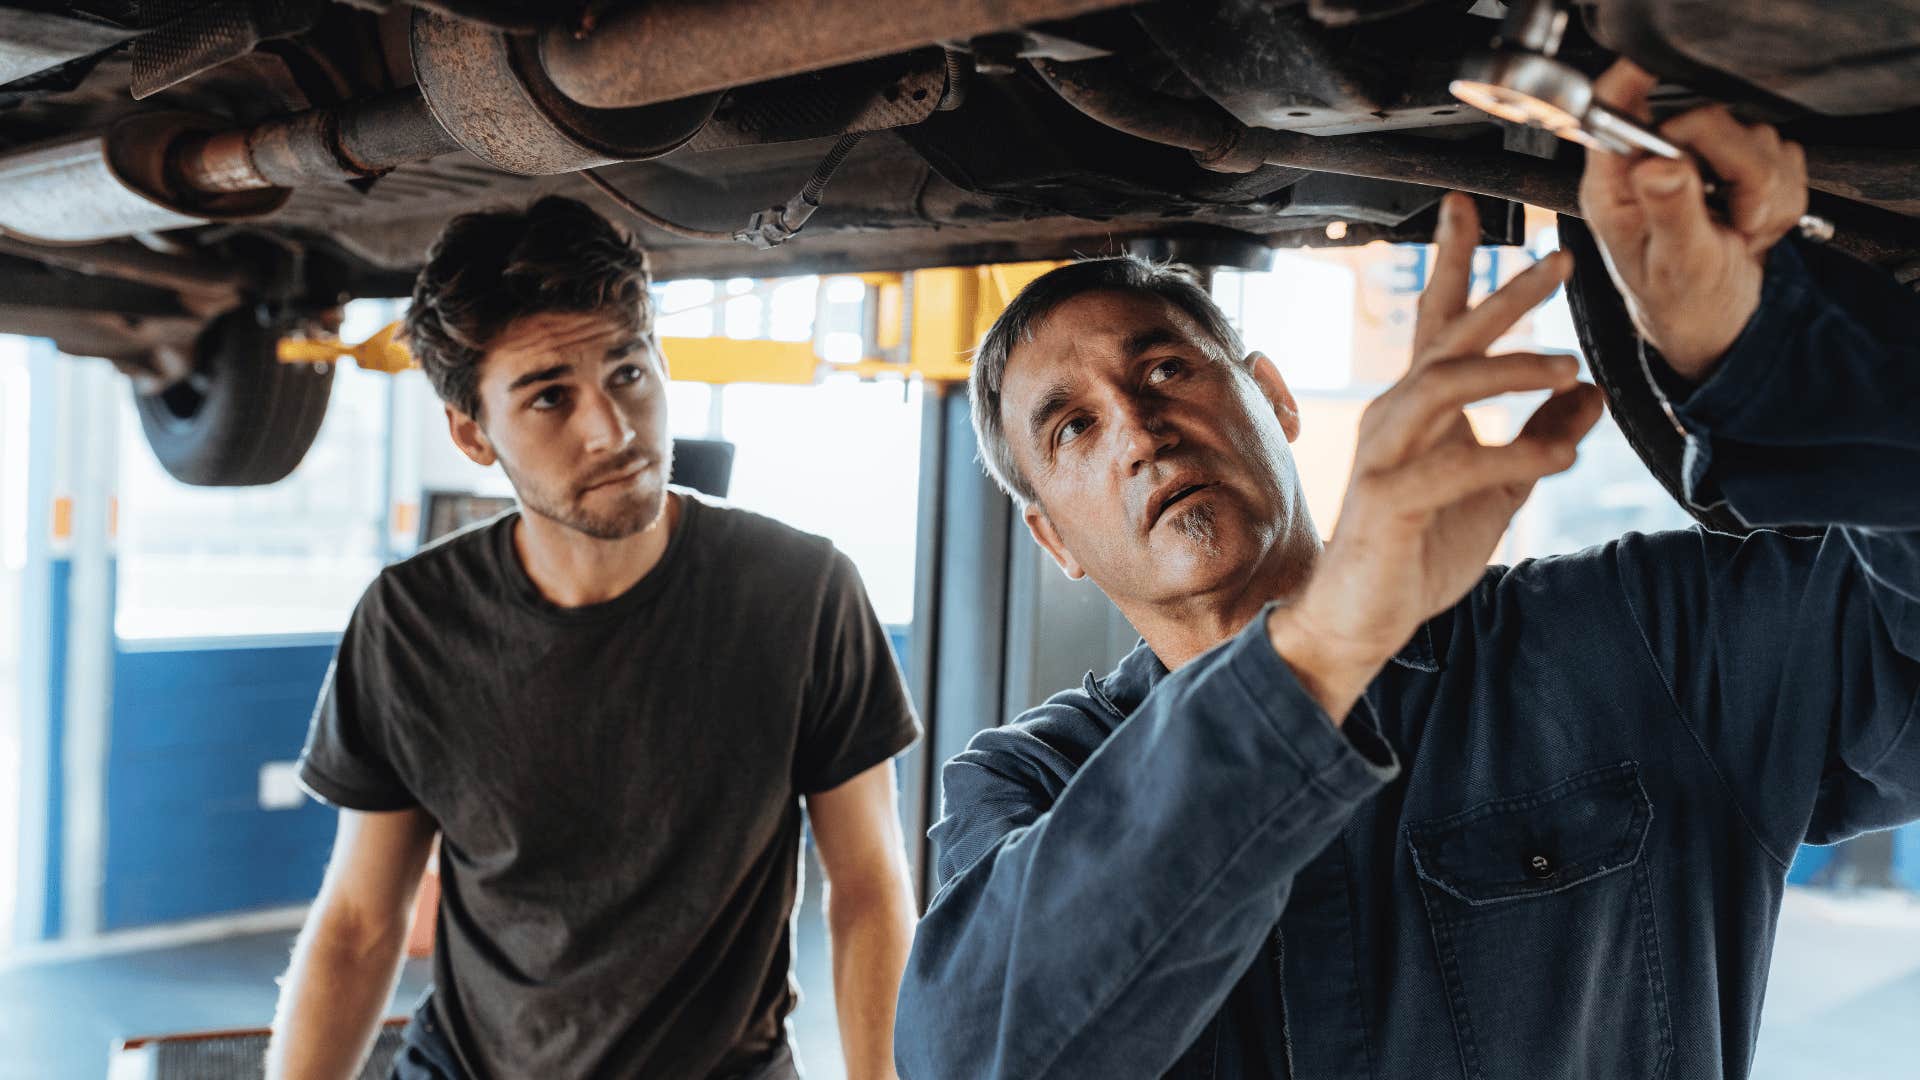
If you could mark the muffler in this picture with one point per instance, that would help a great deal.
(114, 183)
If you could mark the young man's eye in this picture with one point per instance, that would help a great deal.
(1164, 370)
(627, 373)
(551, 398)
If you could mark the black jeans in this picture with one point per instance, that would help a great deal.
(425, 1054)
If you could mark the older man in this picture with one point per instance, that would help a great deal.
(1374, 808)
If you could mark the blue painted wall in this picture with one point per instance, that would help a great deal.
(186, 837)
(59, 620)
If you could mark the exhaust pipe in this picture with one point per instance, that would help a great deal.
(671, 49)
(112, 184)
(158, 171)
(353, 142)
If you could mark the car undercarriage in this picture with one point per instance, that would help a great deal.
(165, 164)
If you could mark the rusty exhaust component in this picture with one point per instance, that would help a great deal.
(113, 184)
(157, 171)
(1220, 142)
(669, 49)
(351, 142)
(489, 92)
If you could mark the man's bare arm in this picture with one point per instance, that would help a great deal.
(348, 955)
(869, 912)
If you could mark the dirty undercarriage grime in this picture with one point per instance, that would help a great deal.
(163, 161)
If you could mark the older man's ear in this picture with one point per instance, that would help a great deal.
(1266, 375)
(1048, 537)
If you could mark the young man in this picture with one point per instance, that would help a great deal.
(1376, 809)
(610, 706)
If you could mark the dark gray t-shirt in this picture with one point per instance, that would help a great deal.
(616, 785)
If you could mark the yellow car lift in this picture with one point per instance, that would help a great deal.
(937, 315)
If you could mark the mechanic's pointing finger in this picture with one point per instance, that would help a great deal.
(1403, 419)
(1445, 296)
(1566, 416)
(1458, 470)
(1475, 332)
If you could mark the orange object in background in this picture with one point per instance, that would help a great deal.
(426, 908)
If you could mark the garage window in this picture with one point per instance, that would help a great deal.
(290, 558)
(1339, 323)
(840, 458)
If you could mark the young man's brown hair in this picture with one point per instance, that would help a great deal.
(494, 266)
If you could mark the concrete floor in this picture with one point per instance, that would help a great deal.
(1844, 995)
(60, 1017)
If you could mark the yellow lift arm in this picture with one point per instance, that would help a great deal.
(937, 315)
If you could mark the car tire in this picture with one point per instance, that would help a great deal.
(241, 418)
(1612, 349)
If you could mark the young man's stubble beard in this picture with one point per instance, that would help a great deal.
(633, 511)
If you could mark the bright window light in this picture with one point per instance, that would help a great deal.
(845, 290)
(290, 558)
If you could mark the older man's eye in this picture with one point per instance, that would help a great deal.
(1164, 370)
(1073, 429)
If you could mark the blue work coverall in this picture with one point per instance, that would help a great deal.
(1552, 839)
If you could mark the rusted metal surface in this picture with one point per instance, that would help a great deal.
(876, 96)
(216, 161)
(1435, 164)
(392, 130)
(1835, 58)
(1887, 177)
(1103, 93)
(1276, 66)
(192, 36)
(301, 149)
(139, 149)
(351, 142)
(161, 171)
(488, 91)
(1218, 141)
(102, 186)
(670, 49)
(67, 193)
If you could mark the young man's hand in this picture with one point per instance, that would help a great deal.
(1691, 281)
(1427, 501)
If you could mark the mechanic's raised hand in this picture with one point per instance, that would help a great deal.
(1691, 281)
(1427, 501)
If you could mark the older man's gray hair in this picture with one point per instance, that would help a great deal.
(1125, 273)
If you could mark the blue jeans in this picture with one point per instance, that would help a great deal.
(425, 1053)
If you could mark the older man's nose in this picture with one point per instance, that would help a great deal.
(1146, 435)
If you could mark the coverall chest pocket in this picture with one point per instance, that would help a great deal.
(1541, 907)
